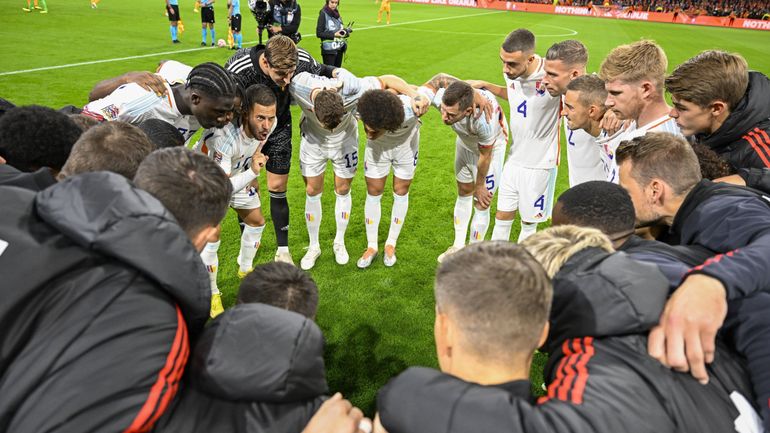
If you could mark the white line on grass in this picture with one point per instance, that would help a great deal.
(163, 53)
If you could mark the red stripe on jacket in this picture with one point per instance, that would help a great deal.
(166, 385)
(759, 147)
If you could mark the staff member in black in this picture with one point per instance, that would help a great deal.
(286, 19)
(331, 33)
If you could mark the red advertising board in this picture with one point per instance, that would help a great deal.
(602, 12)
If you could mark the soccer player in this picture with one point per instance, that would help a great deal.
(236, 148)
(583, 107)
(721, 104)
(392, 127)
(207, 21)
(633, 75)
(234, 17)
(30, 8)
(172, 8)
(329, 132)
(384, 7)
(565, 61)
(479, 153)
(529, 174)
(206, 100)
(275, 65)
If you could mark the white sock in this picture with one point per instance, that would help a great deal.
(210, 259)
(282, 250)
(397, 217)
(249, 245)
(527, 230)
(313, 218)
(342, 214)
(502, 230)
(462, 215)
(479, 225)
(372, 213)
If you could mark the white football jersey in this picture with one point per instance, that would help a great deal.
(534, 121)
(607, 147)
(301, 89)
(132, 103)
(232, 150)
(174, 72)
(662, 124)
(473, 132)
(404, 132)
(583, 156)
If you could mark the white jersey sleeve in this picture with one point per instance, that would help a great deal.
(128, 103)
(174, 72)
(227, 148)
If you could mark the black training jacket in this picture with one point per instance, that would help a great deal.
(743, 140)
(600, 376)
(100, 289)
(256, 368)
(734, 223)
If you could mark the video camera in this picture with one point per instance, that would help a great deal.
(347, 30)
(261, 11)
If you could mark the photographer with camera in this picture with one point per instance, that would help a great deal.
(332, 33)
(286, 16)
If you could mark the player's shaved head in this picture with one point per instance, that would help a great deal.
(459, 92)
(498, 296)
(519, 40)
(591, 90)
(329, 108)
(570, 52)
(598, 204)
(280, 285)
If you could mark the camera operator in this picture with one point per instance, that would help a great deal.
(286, 19)
(332, 34)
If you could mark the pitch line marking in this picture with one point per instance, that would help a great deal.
(163, 53)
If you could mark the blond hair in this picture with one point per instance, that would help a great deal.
(710, 76)
(632, 63)
(552, 247)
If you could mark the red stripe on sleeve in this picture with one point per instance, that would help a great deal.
(166, 385)
(571, 372)
(580, 382)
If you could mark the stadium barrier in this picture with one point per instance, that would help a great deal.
(604, 12)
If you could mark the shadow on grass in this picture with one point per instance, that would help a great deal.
(354, 369)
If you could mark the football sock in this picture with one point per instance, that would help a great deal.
(173, 33)
(313, 218)
(203, 35)
(210, 259)
(502, 230)
(372, 213)
(342, 206)
(249, 245)
(45, 6)
(279, 209)
(213, 36)
(239, 40)
(283, 250)
(527, 230)
(462, 215)
(479, 225)
(397, 217)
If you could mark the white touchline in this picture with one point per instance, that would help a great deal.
(164, 53)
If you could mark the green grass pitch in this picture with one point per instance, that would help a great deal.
(379, 320)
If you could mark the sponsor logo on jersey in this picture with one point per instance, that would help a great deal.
(111, 112)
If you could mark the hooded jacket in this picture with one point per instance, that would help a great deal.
(256, 368)
(100, 289)
(600, 376)
(743, 140)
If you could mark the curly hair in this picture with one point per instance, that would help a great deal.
(380, 109)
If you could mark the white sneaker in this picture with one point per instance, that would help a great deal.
(284, 257)
(340, 254)
(389, 258)
(449, 251)
(367, 258)
(311, 256)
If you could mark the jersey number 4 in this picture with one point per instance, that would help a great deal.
(522, 108)
(540, 202)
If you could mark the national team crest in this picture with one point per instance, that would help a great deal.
(539, 87)
(111, 112)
